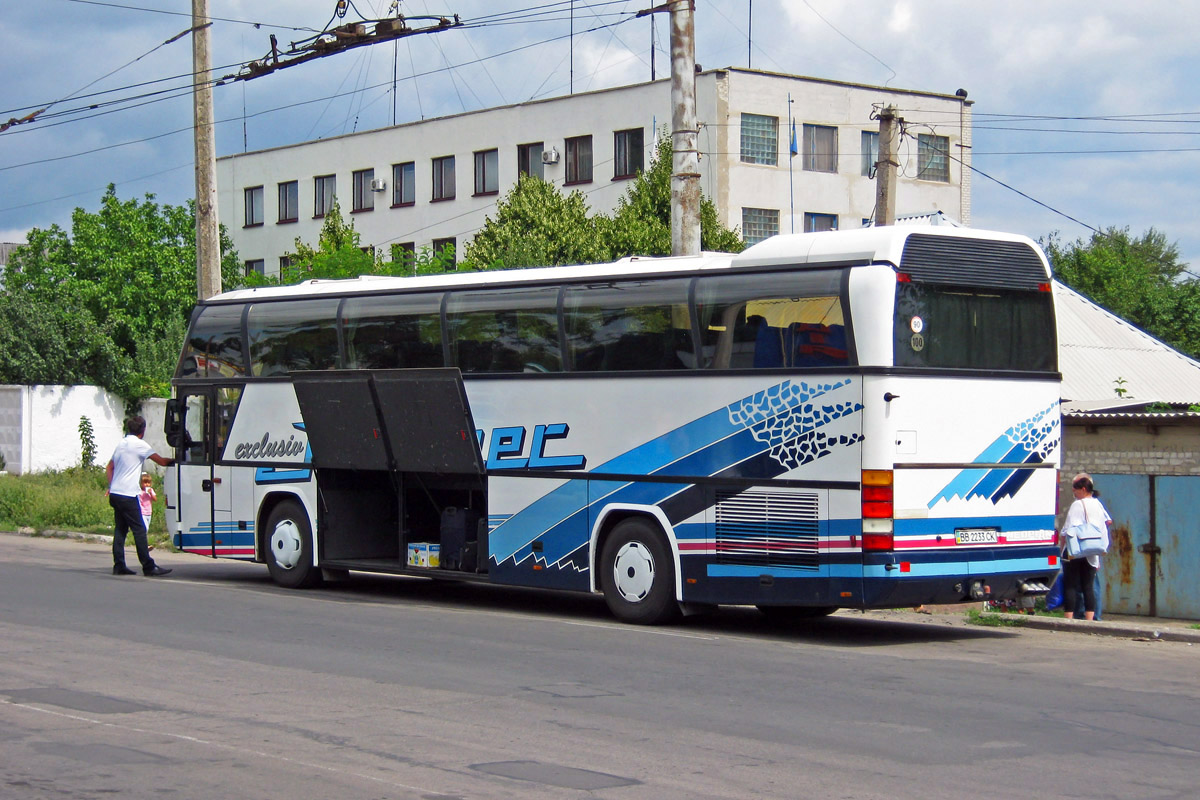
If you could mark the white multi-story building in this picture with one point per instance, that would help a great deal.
(434, 182)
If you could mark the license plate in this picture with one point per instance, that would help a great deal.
(976, 536)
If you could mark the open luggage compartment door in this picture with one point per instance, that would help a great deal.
(400, 420)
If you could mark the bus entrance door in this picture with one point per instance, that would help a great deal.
(204, 486)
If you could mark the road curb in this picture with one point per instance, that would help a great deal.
(94, 538)
(1125, 630)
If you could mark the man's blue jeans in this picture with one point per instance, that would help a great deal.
(127, 518)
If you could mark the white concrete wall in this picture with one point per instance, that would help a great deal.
(722, 96)
(39, 425)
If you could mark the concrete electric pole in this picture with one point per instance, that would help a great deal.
(208, 240)
(885, 167)
(685, 176)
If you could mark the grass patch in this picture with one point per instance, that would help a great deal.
(69, 500)
(1195, 626)
(993, 620)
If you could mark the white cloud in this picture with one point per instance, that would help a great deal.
(1061, 58)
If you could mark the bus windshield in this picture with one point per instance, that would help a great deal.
(954, 327)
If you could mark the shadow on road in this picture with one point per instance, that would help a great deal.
(844, 629)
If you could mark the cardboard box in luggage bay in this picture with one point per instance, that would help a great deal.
(423, 554)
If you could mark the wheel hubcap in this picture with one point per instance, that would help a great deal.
(633, 572)
(286, 545)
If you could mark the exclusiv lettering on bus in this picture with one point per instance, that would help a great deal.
(266, 448)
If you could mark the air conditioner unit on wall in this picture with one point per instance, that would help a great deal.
(550, 156)
(378, 185)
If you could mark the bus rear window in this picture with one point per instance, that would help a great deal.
(974, 328)
(214, 344)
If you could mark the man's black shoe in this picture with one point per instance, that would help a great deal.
(155, 570)
(122, 570)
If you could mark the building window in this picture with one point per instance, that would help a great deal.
(529, 159)
(579, 160)
(441, 246)
(254, 206)
(627, 145)
(487, 167)
(870, 152)
(284, 263)
(759, 224)
(760, 139)
(364, 198)
(405, 254)
(404, 184)
(443, 178)
(933, 157)
(256, 266)
(324, 187)
(820, 148)
(819, 222)
(289, 201)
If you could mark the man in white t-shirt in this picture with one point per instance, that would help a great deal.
(124, 472)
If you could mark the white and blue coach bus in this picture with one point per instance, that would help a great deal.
(856, 419)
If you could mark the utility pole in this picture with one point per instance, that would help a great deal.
(685, 176)
(208, 242)
(885, 167)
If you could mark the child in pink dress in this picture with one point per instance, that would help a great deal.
(146, 499)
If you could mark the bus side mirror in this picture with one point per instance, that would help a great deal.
(173, 423)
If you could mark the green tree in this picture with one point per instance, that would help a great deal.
(641, 223)
(92, 305)
(339, 253)
(536, 225)
(1140, 279)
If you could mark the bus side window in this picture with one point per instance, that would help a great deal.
(504, 331)
(791, 319)
(607, 330)
(393, 332)
(292, 336)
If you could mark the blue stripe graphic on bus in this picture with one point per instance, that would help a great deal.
(1029, 442)
(783, 421)
(287, 475)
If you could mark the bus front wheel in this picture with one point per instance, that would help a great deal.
(637, 574)
(289, 547)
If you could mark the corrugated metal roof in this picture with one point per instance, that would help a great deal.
(1131, 416)
(1096, 348)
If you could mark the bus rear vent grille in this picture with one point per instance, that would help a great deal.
(769, 530)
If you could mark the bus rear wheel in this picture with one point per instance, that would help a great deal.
(289, 547)
(637, 574)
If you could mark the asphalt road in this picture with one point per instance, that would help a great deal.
(213, 683)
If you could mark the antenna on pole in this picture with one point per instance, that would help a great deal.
(749, 32)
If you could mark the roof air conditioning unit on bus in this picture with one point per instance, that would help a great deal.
(550, 156)
(378, 184)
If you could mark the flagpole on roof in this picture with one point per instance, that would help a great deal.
(792, 150)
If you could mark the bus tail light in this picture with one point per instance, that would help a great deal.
(877, 541)
(877, 494)
(877, 509)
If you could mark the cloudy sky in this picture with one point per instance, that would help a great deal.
(1087, 112)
